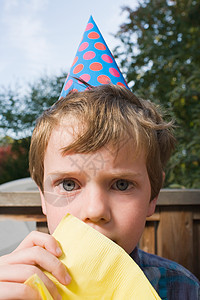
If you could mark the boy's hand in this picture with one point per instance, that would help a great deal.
(37, 251)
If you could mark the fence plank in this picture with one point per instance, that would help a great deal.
(175, 236)
(196, 244)
(147, 241)
(42, 227)
(17, 199)
(179, 197)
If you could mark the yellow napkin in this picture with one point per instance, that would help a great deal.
(36, 283)
(99, 268)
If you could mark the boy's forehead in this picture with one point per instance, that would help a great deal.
(62, 135)
(66, 133)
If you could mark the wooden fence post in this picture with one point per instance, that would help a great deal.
(175, 236)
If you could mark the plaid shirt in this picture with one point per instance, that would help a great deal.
(169, 279)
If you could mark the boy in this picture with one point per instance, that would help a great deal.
(99, 155)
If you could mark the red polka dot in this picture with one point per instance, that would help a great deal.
(89, 26)
(114, 72)
(75, 61)
(121, 84)
(103, 79)
(93, 35)
(96, 66)
(89, 55)
(68, 84)
(78, 68)
(100, 46)
(107, 58)
(85, 77)
(83, 46)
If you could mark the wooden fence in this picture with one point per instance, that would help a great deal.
(172, 232)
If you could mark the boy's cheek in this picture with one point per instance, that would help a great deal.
(56, 200)
(54, 216)
(55, 207)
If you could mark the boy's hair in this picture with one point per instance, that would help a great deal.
(107, 114)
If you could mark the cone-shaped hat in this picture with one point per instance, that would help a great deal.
(93, 63)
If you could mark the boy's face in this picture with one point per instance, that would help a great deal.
(110, 192)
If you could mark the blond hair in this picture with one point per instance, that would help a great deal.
(110, 115)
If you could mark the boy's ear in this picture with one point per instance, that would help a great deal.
(152, 206)
(152, 203)
(163, 174)
(44, 210)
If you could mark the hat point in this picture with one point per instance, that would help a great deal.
(93, 63)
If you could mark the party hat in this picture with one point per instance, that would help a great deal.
(93, 63)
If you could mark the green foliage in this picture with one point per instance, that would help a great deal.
(18, 113)
(159, 53)
(14, 164)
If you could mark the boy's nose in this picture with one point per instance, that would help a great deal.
(96, 208)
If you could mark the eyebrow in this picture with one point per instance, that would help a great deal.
(117, 174)
(127, 174)
(64, 174)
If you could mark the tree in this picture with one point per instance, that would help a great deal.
(18, 113)
(14, 160)
(159, 53)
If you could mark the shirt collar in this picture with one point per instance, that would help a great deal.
(135, 255)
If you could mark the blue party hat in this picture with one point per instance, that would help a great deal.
(93, 63)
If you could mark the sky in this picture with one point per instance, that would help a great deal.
(41, 37)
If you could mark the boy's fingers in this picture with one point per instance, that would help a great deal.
(42, 258)
(14, 291)
(38, 251)
(44, 240)
(18, 274)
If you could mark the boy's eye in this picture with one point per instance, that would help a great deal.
(121, 185)
(69, 185)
